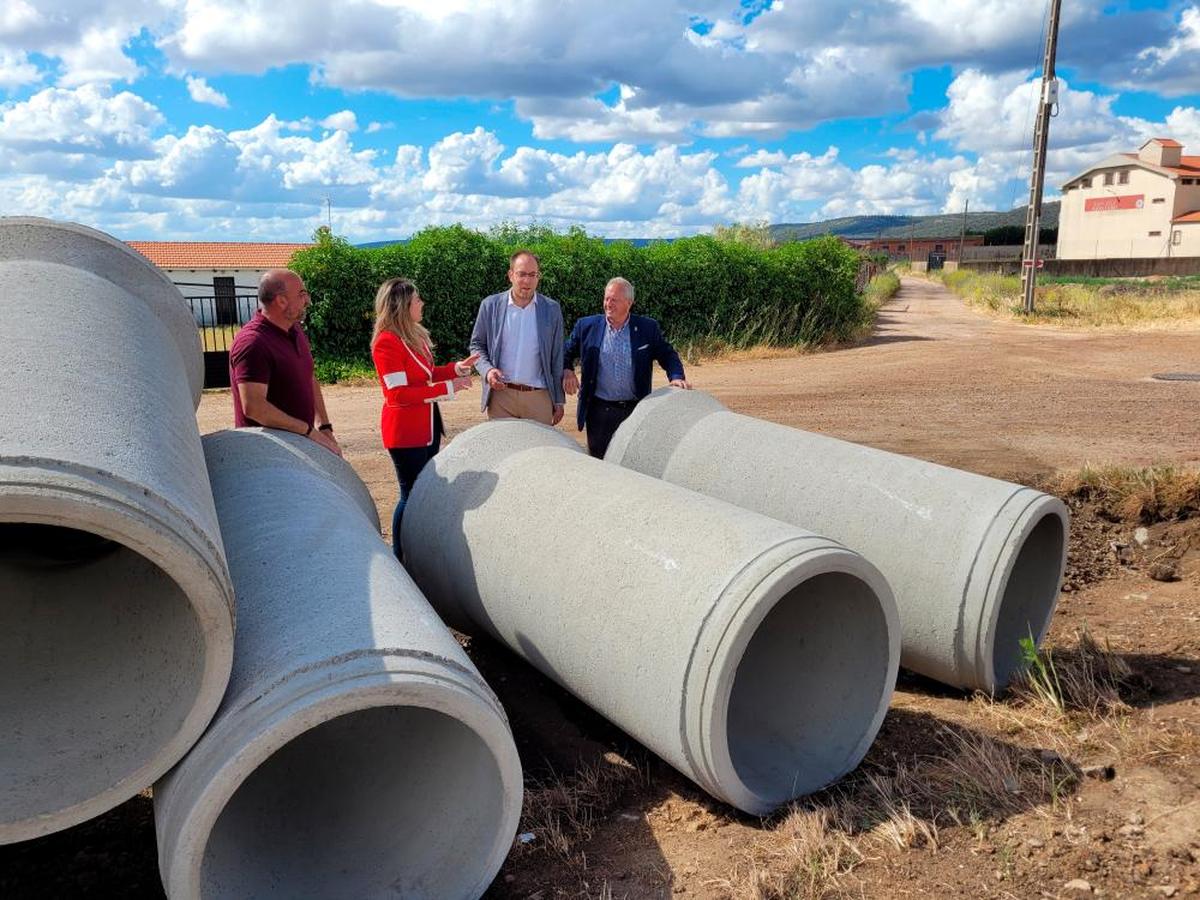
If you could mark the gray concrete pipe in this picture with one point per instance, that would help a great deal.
(116, 609)
(976, 563)
(357, 752)
(756, 658)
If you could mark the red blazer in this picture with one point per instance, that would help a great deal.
(411, 385)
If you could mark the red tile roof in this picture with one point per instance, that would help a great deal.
(1188, 165)
(1193, 216)
(216, 254)
(1166, 142)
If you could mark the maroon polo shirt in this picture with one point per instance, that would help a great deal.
(264, 353)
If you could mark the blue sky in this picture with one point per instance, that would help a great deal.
(208, 119)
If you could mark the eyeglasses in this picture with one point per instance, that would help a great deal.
(527, 274)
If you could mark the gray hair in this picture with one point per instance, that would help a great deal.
(625, 285)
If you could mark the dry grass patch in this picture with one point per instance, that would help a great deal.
(561, 813)
(1099, 303)
(969, 780)
(1147, 495)
(803, 858)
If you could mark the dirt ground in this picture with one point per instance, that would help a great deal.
(1121, 817)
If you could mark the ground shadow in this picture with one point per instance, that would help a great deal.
(559, 737)
(114, 855)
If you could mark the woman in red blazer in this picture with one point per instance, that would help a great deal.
(412, 386)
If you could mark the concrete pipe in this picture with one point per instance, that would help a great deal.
(756, 658)
(116, 609)
(975, 562)
(357, 752)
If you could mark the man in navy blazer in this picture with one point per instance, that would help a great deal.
(616, 349)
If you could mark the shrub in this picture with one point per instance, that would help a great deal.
(708, 292)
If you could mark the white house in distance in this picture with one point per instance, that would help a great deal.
(1133, 206)
(219, 278)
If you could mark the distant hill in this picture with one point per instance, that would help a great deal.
(917, 226)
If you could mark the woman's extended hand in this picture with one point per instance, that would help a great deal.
(462, 383)
(464, 367)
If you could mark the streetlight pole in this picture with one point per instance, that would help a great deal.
(1049, 99)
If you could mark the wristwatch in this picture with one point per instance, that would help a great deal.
(328, 426)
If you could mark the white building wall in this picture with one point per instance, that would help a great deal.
(1189, 239)
(1118, 233)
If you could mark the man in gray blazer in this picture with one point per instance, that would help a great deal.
(518, 335)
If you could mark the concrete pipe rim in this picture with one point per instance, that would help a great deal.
(192, 577)
(1032, 558)
(187, 825)
(730, 773)
(162, 296)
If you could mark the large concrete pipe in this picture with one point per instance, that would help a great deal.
(756, 658)
(975, 562)
(116, 610)
(357, 752)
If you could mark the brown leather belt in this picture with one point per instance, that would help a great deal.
(515, 386)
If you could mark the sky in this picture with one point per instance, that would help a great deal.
(262, 120)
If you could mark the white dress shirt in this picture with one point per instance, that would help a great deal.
(520, 358)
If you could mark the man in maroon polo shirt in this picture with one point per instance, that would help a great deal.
(271, 365)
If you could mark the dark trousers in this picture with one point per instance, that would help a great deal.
(409, 461)
(604, 417)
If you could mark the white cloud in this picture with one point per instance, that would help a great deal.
(762, 158)
(1173, 68)
(345, 120)
(200, 91)
(90, 120)
(16, 70)
(376, 127)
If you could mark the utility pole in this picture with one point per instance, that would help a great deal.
(1049, 99)
(962, 232)
(912, 227)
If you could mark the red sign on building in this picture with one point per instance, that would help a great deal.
(1104, 204)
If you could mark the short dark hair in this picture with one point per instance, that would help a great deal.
(512, 260)
(271, 285)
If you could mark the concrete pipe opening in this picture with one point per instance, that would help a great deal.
(376, 802)
(102, 657)
(811, 687)
(1030, 593)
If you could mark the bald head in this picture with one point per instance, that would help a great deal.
(282, 297)
(273, 283)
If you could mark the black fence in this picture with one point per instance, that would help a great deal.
(219, 317)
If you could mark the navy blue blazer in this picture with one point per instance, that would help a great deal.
(646, 344)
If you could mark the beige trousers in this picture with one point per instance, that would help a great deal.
(510, 404)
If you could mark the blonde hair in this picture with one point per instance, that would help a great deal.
(393, 301)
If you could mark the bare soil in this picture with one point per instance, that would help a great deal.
(935, 381)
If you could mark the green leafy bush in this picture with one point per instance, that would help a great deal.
(704, 292)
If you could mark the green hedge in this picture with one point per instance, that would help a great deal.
(703, 291)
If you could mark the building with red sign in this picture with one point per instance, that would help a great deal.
(1133, 206)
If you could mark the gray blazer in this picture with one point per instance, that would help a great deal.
(487, 333)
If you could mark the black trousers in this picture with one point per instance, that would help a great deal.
(604, 417)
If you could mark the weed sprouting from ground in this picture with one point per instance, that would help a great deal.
(1085, 679)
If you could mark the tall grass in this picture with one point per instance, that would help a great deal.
(1094, 302)
(1147, 495)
